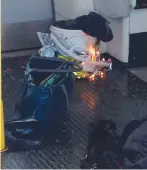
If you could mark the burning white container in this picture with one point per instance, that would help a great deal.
(127, 24)
(80, 52)
(76, 43)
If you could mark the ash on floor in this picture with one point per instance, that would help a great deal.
(119, 96)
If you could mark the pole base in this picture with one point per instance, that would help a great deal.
(3, 150)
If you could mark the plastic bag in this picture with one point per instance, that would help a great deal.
(47, 51)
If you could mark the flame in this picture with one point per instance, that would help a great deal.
(92, 77)
(94, 52)
(102, 75)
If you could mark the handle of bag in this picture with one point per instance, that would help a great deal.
(74, 66)
(54, 59)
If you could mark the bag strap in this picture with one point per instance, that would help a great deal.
(55, 70)
(52, 59)
(74, 67)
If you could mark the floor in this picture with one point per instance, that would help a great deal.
(140, 72)
(119, 96)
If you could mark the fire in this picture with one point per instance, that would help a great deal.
(100, 74)
(94, 53)
(92, 77)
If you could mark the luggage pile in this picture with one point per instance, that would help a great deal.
(71, 48)
(79, 40)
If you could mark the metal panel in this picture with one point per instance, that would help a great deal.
(70, 9)
(21, 20)
(138, 22)
(113, 8)
(25, 11)
(119, 46)
(23, 35)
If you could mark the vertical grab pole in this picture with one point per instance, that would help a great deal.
(2, 129)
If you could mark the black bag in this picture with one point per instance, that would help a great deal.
(92, 24)
(103, 138)
(107, 150)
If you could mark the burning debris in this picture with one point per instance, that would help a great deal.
(72, 41)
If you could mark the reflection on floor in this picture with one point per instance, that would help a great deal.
(119, 96)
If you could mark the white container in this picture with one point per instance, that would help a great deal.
(72, 38)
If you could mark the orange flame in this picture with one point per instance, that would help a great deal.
(102, 75)
(92, 77)
(94, 53)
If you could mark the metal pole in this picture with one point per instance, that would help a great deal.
(2, 130)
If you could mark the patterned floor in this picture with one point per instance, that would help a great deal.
(119, 96)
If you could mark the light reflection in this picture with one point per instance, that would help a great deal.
(94, 76)
(90, 98)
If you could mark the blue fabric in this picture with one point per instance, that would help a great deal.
(47, 105)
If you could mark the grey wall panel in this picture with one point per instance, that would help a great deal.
(23, 35)
(70, 9)
(113, 8)
(21, 20)
(15, 11)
